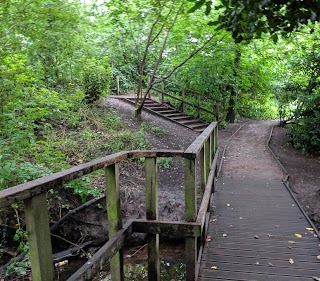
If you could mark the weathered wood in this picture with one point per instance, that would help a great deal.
(191, 212)
(38, 186)
(191, 258)
(172, 229)
(155, 153)
(118, 84)
(39, 239)
(186, 102)
(194, 149)
(207, 157)
(203, 171)
(162, 92)
(182, 97)
(215, 138)
(212, 152)
(198, 107)
(114, 217)
(151, 168)
(207, 194)
(96, 263)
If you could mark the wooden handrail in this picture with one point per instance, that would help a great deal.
(183, 101)
(33, 195)
(38, 186)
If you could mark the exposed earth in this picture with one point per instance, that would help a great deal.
(243, 140)
(249, 143)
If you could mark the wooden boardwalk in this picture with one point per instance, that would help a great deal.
(253, 235)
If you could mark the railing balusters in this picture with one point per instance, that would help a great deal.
(152, 214)
(39, 239)
(207, 157)
(33, 195)
(114, 217)
(191, 213)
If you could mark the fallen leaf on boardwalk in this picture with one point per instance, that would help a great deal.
(318, 257)
(310, 229)
(298, 235)
(291, 261)
(257, 263)
(240, 218)
(256, 237)
(270, 264)
(270, 235)
(214, 267)
(224, 235)
(208, 238)
(292, 242)
(316, 278)
(228, 205)
(289, 247)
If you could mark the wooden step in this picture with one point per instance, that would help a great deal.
(171, 114)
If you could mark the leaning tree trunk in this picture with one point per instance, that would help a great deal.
(231, 115)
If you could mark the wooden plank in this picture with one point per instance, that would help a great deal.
(216, 138)
(194, 149)
(151, 168)
(203, 171)
(96, 263)
(38, 186)
(167, 228)
(186, 102)
(114, 217)
(39, 239)
(207, 157)
(191, 212)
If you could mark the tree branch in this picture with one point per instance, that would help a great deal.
(184, 61)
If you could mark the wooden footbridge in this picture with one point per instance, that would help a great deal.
(241, 230)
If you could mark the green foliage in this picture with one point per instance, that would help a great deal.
(96, 78)
(84, 188)
(164, 162)
(250, 19)
(307, 120)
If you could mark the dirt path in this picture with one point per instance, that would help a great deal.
(247, 155)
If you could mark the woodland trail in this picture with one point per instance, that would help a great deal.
(247, 155)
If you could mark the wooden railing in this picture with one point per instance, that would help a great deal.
(183, 97)
(33, 194)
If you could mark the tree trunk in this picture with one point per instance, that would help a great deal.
(231, 115)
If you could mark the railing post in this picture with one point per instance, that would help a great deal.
(199, 100)
(183, 94)
(152, 214)
(149, 83)
(162, 89)
(118, 84)
(114, 217)
(191, 213)
(39, 239)
(203, 170)
(208, 161)
(215, 139)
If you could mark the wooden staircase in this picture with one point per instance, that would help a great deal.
(170, 113)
